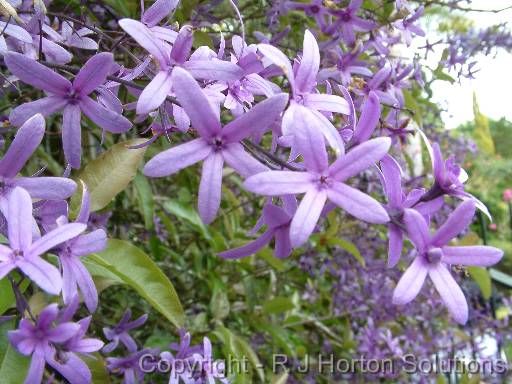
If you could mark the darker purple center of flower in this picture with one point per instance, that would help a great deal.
(17, 253)
(314, 9)
(346, 17)
(218, 144)
(39, 334)
(73, 97)
(434, 255)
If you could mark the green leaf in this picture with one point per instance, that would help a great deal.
(98, 368)
(219, 304)
(278, 305)
(14, 367)
(281, 378)
(482, 132)
(110, 173)
(501, 277)
(253, 358)
(140, 272)
(187, 213)
(145, 199)
(202, 38)
(349, 247)
(483, 279)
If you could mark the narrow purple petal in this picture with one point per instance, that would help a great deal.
(279, 59)
(86, 284)
(103, 117)
(213, 70)
(275, 183)
(309, 140)
(25, 142)
(94, 73)
(395, 244)
(196, 104)
(249, 248)
(305, 79)
(411, 282)
(275, 216)
(258, 118)
(330, 103)
(92, 242)
(36, 369)
(450, 292)
(283, 246)
(183, 44)
(20, 214)
(155, 93)
(368, 120)
(417, 229)
(210, 187)
(457, 222)
(48, 188)
(31, 72)
(74, 369)
(244, 164)
(58, 236)
(45, 275)
(357, 203)
(72, 135)
(69, 286)
(438, 163)
(478, 255)
(63, 332)
(172, 160)
(45, 106)
(306, 217)
(158, 11)
(360, 158)
(392, 179)
(146, 39)
(330, 133)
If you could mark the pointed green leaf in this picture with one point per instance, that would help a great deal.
(140, 272)
(483, 279)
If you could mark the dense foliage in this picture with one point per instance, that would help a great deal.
(192, 191)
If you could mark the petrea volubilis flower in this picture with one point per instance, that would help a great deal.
(25, 254)
(73, 98)
(216, 144)
(119, 333)
(434, 258)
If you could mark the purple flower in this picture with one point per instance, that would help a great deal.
(349, 22)
(211, 370)
(398, 202)
(74, 272)
(303, 80)
(129, 366)
(434, 257)
(25, 143)
(323, 181)
(216, 144)
(54, 342)
(24, 254)
(159, 10)
(120, 332)
(278, 220)
(407, 28)
(169, 58)
(73, 98)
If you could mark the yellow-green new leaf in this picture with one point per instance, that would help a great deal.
(140, 272)
(111, 172)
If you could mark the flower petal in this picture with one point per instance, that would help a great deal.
(330, 103)
(450, 292)
(45, 106)
(395, 244)
(146, 39)
(25, 143)
(243, 163)
(155, 93)
(249, 248)
(195, 103)
(258, 118)
(392, 180)
(91, 242)
(158, 11)
(478, 255)
(105, 118)
(417, 229)
(306, 217)
(305, 79)
(36, 369)
(360, 158)
(357, 203)
(48, 188)
(457, 222)
(45, 275)
(72, 135)
(210, 187)
(55, 237)
(31, 72)
(172, 160)
(368, 120)
(411, 282)
(213, 70)
(275, 183)
(279, 59)
(19, 215)
(93, 73)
